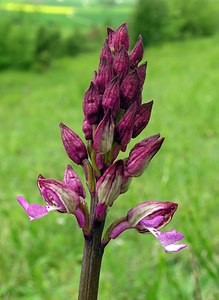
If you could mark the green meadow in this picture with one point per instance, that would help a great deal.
(81, 17)
(42, 259)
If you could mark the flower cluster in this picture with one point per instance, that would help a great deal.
(113, 115)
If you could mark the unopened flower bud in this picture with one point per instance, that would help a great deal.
(74, 146)
(111, 96)
(109, 185)
(137, 53)
(106, 52)
(73, 181)
(94, 80)
(104, 134)
(104, 74)
(138, 97)
(141, 154)
(91, 104)
(111, 34)
(87, 129)
(121, 37)
(129, 89)
(141, 71)
(124, 129)
(121, 63)
(142, 118)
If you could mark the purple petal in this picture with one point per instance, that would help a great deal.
(34, 211)
(154, 223)
(170, 237)
(167, 239)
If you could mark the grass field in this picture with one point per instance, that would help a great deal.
(41, 260)
(67, 15)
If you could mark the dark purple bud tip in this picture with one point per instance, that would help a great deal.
(111, 96)
(129, 89)
(104, 134)
(124, 129)
(87, 129)
(142, 118)
(121, 63)
(91, 104)
(137, 53)
(111, 34)
(74, 146)
(141, 71)
(104, 74)
(106, 52)
(121, 37)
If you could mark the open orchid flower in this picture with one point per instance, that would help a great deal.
(149, 217)
(64, 197)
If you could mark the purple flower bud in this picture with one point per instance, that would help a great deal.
(141, 71)
(121, 37)
(121, 63)
(73, 181)
(141, 154)
(99, 161)
(74, 146)
(111, 34)
(109, 185)
(87, 129)
(137, 53)
(125, 184)
(94, 80)
(104, 134)
(124, 129)
(106, 52)
(91, 104)
(138, 98)
(111, 96)
(104, 74)
(148, 217)
(129, 89)
(142, 118)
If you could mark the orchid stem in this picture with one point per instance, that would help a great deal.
(91, 264)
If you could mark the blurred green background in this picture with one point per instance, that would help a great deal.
(48, 52)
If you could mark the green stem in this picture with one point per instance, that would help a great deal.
(91, 264)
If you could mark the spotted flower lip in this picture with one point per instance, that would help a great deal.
(149, 217)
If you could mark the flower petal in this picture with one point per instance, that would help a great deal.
(167, 239)
(154, 223)
(34, 211)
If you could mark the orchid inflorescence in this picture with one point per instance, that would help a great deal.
(113, 115)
